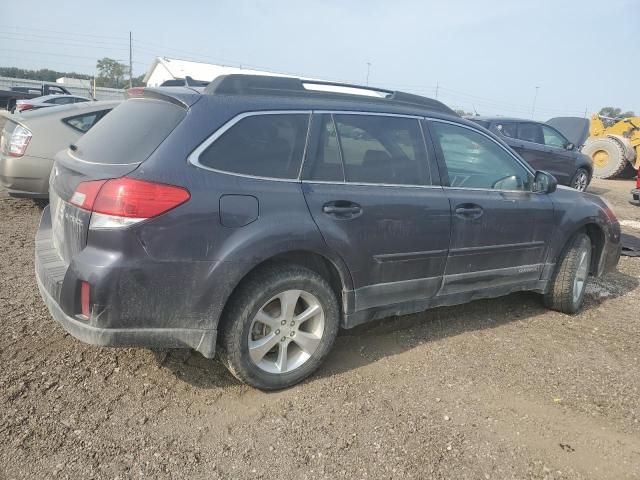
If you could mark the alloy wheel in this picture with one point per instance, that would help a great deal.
(580, 182)
(581, 275)
(286, 331)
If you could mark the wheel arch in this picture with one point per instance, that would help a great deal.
(597, 237)
(332, 270)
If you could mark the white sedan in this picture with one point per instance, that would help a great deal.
(48, 101)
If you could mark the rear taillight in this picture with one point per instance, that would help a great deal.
(638, 180)
(135, 91)
(21, 107)
(121, 202)
(17, 142)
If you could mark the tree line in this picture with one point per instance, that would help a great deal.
(110, 74)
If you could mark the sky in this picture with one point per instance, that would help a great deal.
(493, 57)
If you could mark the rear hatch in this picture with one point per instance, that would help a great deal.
(115, 147)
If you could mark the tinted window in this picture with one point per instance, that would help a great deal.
(328, 164)
(131, 132)
(78, 99)
(382, 149)
(553, 138)
(62, 100)
(261, 145)
(508, 129)
(530, 132)
(475, 161)
(86, 121)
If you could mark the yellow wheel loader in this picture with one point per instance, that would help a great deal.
(613, 144)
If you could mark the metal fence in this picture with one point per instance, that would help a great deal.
(102, 93)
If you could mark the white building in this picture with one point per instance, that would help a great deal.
(164, 68)
(74, 82)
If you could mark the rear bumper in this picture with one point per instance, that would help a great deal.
(25, 176)
(635, 193)
(57, 283)
(199, 339)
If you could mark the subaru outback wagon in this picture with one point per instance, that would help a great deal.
(258, 217)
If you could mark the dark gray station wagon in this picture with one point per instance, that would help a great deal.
(259, 217)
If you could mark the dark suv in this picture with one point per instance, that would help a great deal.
(546, 148)
(257, 218)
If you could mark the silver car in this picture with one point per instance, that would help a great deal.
(30, 140)
(48, 101)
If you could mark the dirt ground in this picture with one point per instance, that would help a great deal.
(491, 390)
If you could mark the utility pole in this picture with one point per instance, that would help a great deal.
(130, 62)
(437, 88)
(368, 71)
(533, 107)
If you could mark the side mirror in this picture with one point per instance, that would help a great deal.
(570, 146)
(544, 182)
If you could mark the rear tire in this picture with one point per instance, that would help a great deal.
(265, 339)
(569, 281)
(608, 155)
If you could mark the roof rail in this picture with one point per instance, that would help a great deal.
(242, 84)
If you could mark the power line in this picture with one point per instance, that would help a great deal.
(146, 47)
(73, 65)
(64, 43)
(21, 28)
(58, 54)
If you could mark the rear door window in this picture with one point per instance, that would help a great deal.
(327, 164)
(530, 132)
(264, 145)
(131, 132)
(382, 149)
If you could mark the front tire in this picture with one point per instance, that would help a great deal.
(570, 278)
(279, 327)
(580, 180)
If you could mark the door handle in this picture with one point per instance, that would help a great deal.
(342, 209)
(469, 211)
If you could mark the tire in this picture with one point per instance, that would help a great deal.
(569, 281)
(580, 180)
(608, 155)
(256, 315)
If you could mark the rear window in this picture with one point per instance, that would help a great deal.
(130, 133)
(266, 145)
(482, 123)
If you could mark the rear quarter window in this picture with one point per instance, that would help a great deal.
(130, 133)
(84, 122)
(263, 145)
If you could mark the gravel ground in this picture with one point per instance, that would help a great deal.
(495, 389)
